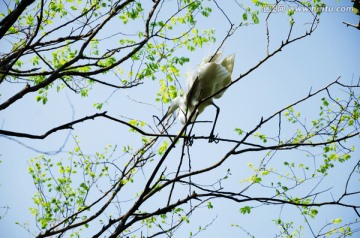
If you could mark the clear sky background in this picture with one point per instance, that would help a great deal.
(332, 51)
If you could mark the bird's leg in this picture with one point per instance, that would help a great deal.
(190, 140)
(212, 137)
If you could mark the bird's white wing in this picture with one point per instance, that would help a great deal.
(220, 86)
(209, 79)
(193, 94)
(228, 63)
(211, 74)
(190, 79)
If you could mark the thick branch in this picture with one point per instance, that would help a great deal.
(62, 127)
(10, 19)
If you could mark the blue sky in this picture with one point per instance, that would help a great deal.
(332, 51)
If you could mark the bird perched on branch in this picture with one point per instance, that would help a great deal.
(205, 84)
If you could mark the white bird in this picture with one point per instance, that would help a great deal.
(205, 83)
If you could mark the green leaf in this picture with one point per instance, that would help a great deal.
(245, 16)
(291, 12)
(336, 221)
(325, 102)
(163, 147)
(256, 179)
(239, 131)
(245, 210)
(313, 213)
